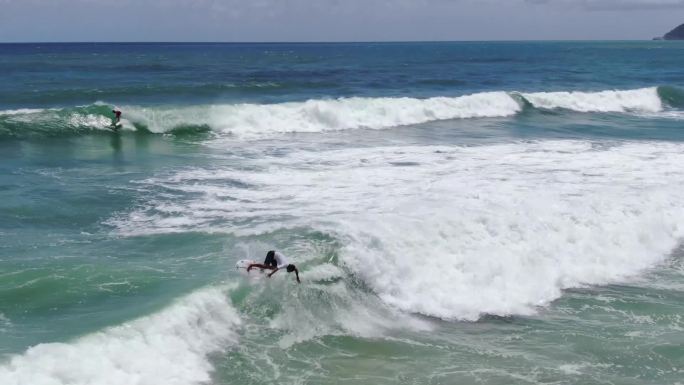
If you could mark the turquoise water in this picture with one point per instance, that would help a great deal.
(461, 213)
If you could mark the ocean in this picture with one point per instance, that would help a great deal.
(460, 213)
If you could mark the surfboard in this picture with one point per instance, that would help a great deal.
(244, 264)
(255, 273)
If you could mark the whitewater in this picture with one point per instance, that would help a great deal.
(479, 211)
(460, 213)
(169, 347)
(321, 115)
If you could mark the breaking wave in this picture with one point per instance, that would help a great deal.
(320, 115)
(169, 347)
(450, 232)
(641, 100)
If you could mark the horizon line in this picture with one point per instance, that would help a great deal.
(328, 41)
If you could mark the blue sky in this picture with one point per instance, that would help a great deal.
(335, 20)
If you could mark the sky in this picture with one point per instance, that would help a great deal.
(335, 20)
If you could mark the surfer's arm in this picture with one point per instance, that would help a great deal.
(295, 270)
(260, 266)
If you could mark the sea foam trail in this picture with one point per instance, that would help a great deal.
(169, 347)
(451, 232)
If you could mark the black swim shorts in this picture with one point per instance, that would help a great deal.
(270, 259)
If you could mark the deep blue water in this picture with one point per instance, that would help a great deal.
(153, 74)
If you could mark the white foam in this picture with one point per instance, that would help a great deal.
(56, 119)
(321, 115)
(315, 310)
(21, 111)
(5, 323)
(485, 237)
(325, 115)
(249, 120)
(452, 232)
(89, 120)
(323, 273)
(639, 100)
(169, 347)
(668, 114)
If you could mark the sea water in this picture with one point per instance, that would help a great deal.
(460, 213)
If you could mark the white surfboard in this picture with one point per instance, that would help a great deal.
(244, 264)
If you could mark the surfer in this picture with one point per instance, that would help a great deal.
(117, 117)
(276, 261)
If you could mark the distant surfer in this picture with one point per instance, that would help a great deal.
(117, 118)
(276, 261)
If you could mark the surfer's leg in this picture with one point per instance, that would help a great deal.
(270, 260)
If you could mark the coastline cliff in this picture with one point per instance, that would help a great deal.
(675, 34)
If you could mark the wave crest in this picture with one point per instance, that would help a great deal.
(326, 115)
(321, 115)
(169, 347)
(640, 100)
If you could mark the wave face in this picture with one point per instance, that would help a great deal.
(673, 97)
(169, 347)
(254, 120)
(328, 115)
(450, 232)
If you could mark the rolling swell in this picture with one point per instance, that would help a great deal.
(321, 115)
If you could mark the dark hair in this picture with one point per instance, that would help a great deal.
(291, 268)
(270, 254)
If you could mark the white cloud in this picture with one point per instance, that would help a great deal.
(603, 5)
